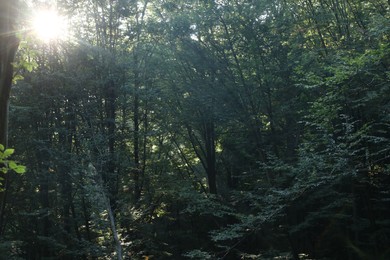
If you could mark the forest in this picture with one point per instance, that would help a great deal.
(195, 129)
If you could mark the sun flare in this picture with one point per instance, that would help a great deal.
(48, 25)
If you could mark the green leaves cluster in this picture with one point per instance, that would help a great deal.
(7, 164)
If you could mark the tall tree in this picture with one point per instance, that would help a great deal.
(8, 46)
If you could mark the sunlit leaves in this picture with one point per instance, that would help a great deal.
(7, 165)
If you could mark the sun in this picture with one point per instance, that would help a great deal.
(48, 25)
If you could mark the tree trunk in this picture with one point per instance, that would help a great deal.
(211, 170)
(111, 175)
(118, 246)
(138, 171)
(136, 150)
(8, 45)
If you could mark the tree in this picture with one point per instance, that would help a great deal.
(8, 47)
(205, 129)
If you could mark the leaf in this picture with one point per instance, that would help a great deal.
(20, 169)
(8, 152)
(16, 78)
(12, 165)
(1, 148)
(17, 168)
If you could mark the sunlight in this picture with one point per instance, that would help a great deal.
(48, 25)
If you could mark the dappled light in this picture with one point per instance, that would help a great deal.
(200, 130)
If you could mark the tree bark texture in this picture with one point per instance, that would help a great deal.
(8, 46)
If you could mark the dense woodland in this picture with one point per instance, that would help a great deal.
(201, 129)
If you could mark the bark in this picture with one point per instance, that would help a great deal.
(209, 136)
(107, 205)
(136, 150)
(118, 246)
(138, 171)
(111, 176)
(8, 46)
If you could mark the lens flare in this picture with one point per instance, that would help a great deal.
(48, 25)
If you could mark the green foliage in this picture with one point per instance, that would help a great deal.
(25, 61)
(11, 249)
(9, 165)
(285, 104)
(204, 205)
(197, 254)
